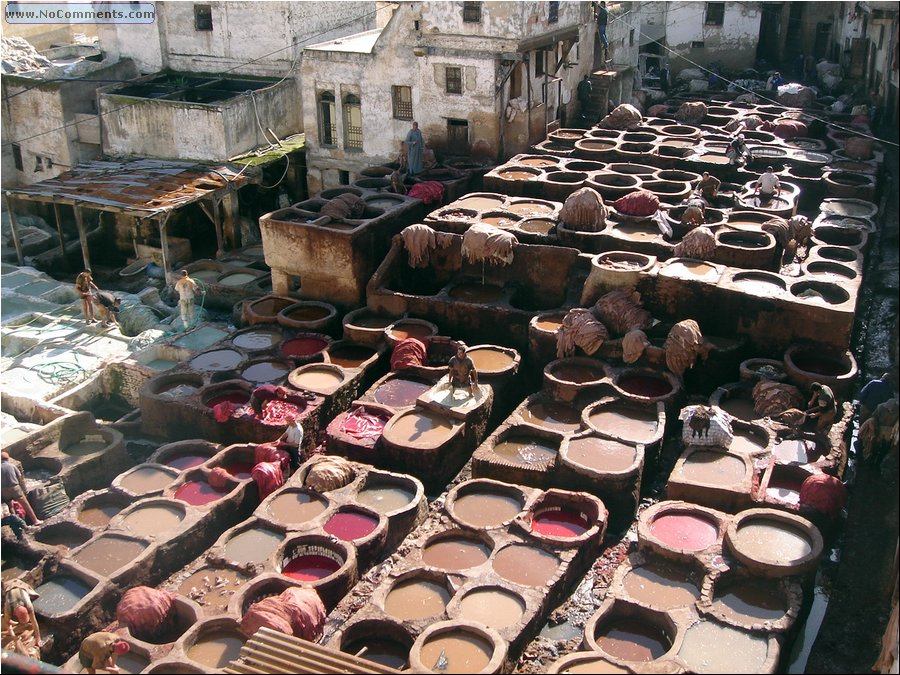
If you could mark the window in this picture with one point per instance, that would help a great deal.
(715, 13)
(203, 17)
(17, 156)
(327, 126)
(631, 38)
(458, 135)
(402, 97)
(552, 12)
(472, 12)
(454, 80)
(515, 82)
(697, 44)
(540, 62)
(353, 138)
(344, 177)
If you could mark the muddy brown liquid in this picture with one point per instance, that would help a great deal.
(525, 565)
(538, 162)
(516, 175)
(404, 330)
(372, 321)
(549, 325)
(350, 356)
(153, 520)
(530, 209)
(217, 648)
(552, 415)
(525, 451)
(493, 607)
(713, 648)
(537, 226)
(317, 380)
(476, 293)
(107, 553)
(632, 424)
(219, 359)
(400, 392)
(146, 479)
(456, 653)
(713, 468)
(633, 640)
(498, 221)
(385, 499)
(601, 454)
(479, 203)
(308, 313)
(456, 553)
(98, 516)
(421, 428)
(739, 407)
(595, 667)
(691, 270)
(486, 509)
(661, 586)
(84, 447)
(296, 507)
(252, 546)
(491, 360)
(751, 601)
(212, 587)
(772, 542)
(416, 599)
(745, 441)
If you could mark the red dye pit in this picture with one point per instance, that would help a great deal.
(560, 523)
(240, 470)
(304, 346)
(400, 392)
(640, 385)
(186, 461)
(237, 397)
(277, 412)
(310, 567)
(685, 531)
(350, 525)
(197, 493)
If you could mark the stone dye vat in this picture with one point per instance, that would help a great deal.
(483, 583)
(714, 478)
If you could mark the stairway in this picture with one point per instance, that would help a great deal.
(600, 82)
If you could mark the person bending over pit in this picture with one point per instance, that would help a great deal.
(267, 392)
(822, 407)
(708, 187)
(99, 651)
(13, 487)
(462, 372)
(109, 307)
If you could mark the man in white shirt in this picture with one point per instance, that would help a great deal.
(768, 185)
(291, 441)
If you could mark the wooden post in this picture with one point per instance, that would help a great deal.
(14, 226)
(82, 235)
(232, 222)
(62, 241)
(217, 225)
(164, 244)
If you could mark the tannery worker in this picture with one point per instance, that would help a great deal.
(84, 284)
(822, 406)
(768, 185)
(462, 371)
(187, 289)
(708, 186)
(99, 651)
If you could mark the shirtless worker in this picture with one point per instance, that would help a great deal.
(186, 288)
(461, 371)
(84, 284)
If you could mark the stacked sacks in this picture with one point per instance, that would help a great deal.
(625, 116)
(584, 211)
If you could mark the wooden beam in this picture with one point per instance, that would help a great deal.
(217, 226)
(62, 241)
(14, 225)
(164, 244)
(82, 235)
(232, 219)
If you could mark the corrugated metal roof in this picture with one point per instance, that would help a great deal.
(142, 187)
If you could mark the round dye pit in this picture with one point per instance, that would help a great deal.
(531, 208)
(386, 652)
(818, 364)
(518, 175)
(198, 493)
(560, 522)
(266, 371)
(771, 541)
(477, 293)
(146, 479)
(385, 498)
(313, 564)
(421, 428)
(303, 347)
(537, 225)
(577, 374)
(239, 470)
(645, 386)
(490, 359)
(750, 601)
(413, 599)
(631, 639)
(685, 531)
(178, 390)
(62, 536)
(291, 507)
(493, 606)
(108, 553)
(740, 406)
(212, 587)
(552, 415)
(132, 662)
(372, 321)
(217, 648)
(303, 312)
(709, 647)
(661, 586)
(350, 356)
(456, 651)
(485, 508)
(713, 468)
(237, 279)
(252, 546)
(85, 447)
(549, 324)
(401, 330)
(351, 525)
(318, 378)
(182, 462)
(499, 219)
(638, 425)
(400, 392)
(216, 360)
(592, 665)
(525, 565)
(99, 515)
(759, 283)
(257, 339)
(456, 553)
(526, 451)
(600, 454)
(238, 398)
(153, 519)
(691, 269)
(59, 594)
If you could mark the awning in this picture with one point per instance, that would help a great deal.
(547, 39)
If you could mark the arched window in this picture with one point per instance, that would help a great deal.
(327, 123)
(353, 133)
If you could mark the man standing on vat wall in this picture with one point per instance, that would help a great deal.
(187, 289)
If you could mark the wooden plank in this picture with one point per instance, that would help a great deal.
(14, 225)
(62, 241)
(82, 236)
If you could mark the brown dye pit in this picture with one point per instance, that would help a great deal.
(758, 284)
(487, 359)
(637, 231)
(537, 226)
(819, 365)
(633, 424)
(384, 499)
(153, 520)
(751, 601)
(747, 441)
(422, 428)
(601, 454)
(107, 553)
(537, 161)
(499, 221)
(517, 175)
(493, 607)
(98, 516)
(530, 209)
(633, 640)
(350, 356)
(661, 586)
(525, 565)
(578, 374)
(691, 270)
(552, 415)
(549, 325)
(416, 599)
(85, 447)
(403, 330)
(386, 652)
(485, 203)
(131, 662)
(372, 321)
(594, 667)
(772, 542)
(456, 652)
(526, 451)
(308, 313)
(456, 553)
(146, 479)
(486, 509)
(400, 392)
(740, 407)
(317, 379)
(476, 293)
(713, 648)
(713, 468)
(256, 339)
(212, 587)
(296, 507)
(217, 648)
(252, 546)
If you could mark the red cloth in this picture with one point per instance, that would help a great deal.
(276, 412)
(147, 612)
(361, 424)
(430, 192)
(224, 411)
(17, 509)
(219, 479)
(269, 452)
(268, 477)
(638, 203)
(408, 353)
(826, 494)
